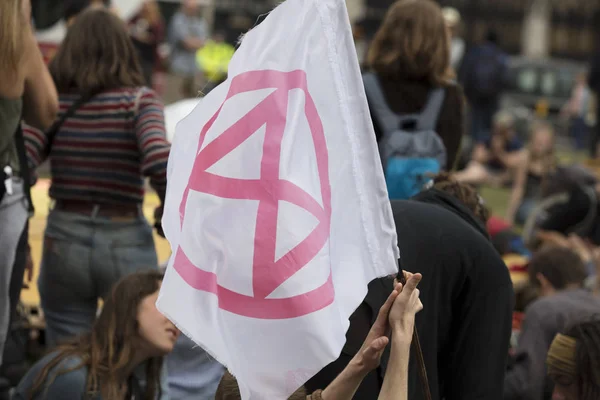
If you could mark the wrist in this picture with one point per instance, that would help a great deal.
(402, 333)
(357, 366)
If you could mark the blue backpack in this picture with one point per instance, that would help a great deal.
(411, 150)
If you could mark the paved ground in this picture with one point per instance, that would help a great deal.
(30, 297)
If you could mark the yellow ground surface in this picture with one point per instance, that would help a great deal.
(37, 224)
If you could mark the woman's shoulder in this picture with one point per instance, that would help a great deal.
(69, 374)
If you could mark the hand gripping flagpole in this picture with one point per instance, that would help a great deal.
(416, 344)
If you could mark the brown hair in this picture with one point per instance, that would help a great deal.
(560, 266)
(465, 193)
(11, 34)
(151, 12)
(110, 346)
(412, 43)
(96, 55)
(229, 390)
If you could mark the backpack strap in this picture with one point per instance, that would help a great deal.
(428, 119)
(51, 133)
(387, 120)
(24, 166)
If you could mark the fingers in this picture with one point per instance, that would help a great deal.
(372, 352)
(411, 284)
(387, 306)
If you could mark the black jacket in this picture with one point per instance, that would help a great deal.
(468, 300)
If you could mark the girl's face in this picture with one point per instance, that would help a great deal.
(542, 142)
(156, 331)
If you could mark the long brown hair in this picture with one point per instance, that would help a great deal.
(108, 349)
(96, 55)
(412, 43)
(11, 34)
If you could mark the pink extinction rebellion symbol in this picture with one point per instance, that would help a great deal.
(267, 273)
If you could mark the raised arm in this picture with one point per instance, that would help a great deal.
(345, 385)
(402, 322)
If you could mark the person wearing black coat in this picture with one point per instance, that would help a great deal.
(468, 300)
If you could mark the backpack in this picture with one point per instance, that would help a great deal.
(411, 150)
(487, 77)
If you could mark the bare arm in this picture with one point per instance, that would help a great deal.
(395, 383)
(40, 99)
(345, 385)
(402, 321)
(518, 188)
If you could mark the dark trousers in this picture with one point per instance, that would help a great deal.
(482, 115)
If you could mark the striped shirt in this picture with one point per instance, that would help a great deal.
(104, 151)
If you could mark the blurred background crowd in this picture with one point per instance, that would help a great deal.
(519, 122)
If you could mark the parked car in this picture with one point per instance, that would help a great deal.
(539, 88)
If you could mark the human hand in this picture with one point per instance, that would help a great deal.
(405, 307)
(369, 355)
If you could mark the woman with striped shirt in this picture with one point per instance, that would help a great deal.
(110, 137)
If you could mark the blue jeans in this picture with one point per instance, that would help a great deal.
(83, 257)
(579, 133)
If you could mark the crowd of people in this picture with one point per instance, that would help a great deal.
(487, 329)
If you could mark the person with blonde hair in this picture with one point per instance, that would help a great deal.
(495, 160)
(26, 92)
(538, 162)
(410, 57)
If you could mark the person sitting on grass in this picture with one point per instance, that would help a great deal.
(495, 161)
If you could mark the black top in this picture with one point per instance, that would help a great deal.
(468, 300)
(572, 216)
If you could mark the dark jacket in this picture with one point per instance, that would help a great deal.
(409, 97)
(468, 300)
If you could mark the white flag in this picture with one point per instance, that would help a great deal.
(276, 209)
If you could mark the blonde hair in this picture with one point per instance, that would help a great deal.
(412, 43)
(548, 159)
(11, 34)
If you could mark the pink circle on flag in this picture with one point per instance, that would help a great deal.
(267, 272)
